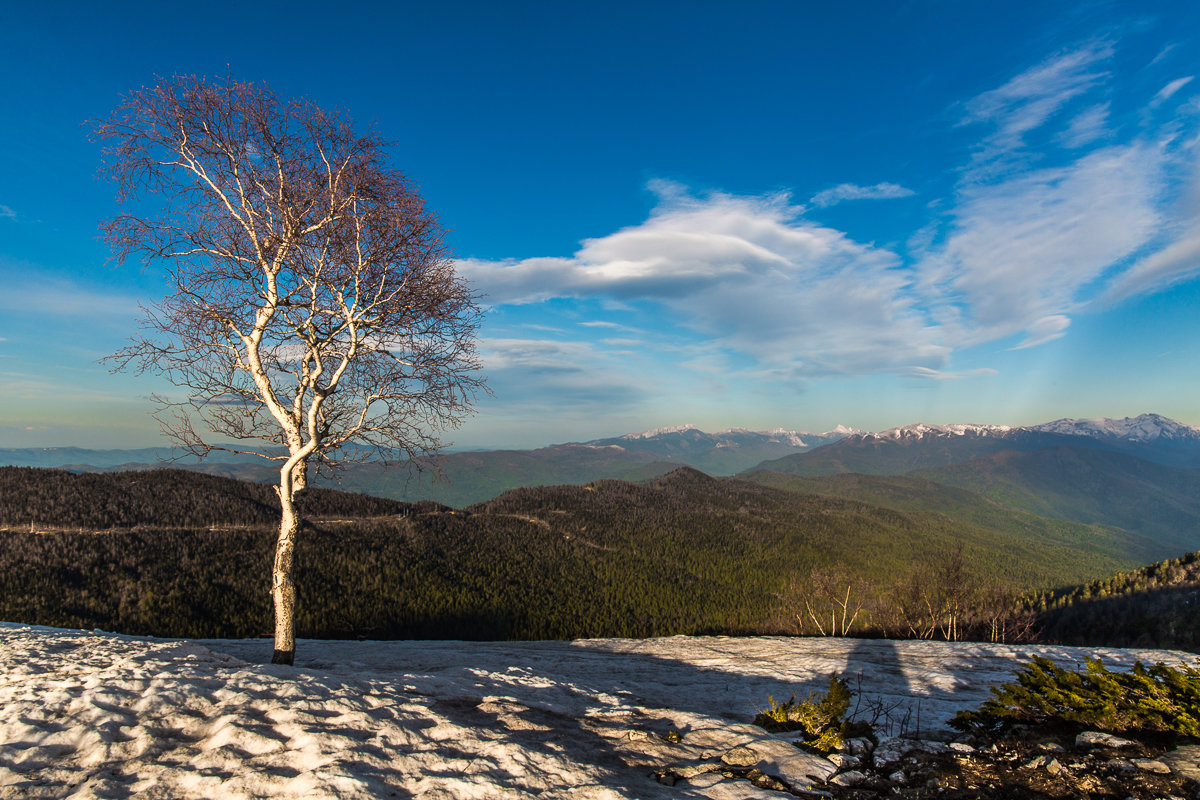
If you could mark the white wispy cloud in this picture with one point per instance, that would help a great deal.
(1176, 262)
(941, 375)
(749, 271)
(7, 213)
(1025, 248)
(1168, 91)
(1027, 101)
(1043, 330)
(1086, 127)
(1019, 251)
(542, 375)
(851, 191)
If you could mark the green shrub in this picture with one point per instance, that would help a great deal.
(820, 717)
(1157, 699)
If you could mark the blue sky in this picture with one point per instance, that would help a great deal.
(735, 215)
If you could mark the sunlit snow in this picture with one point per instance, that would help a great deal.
(90, 715)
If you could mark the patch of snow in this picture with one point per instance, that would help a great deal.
(102, 715)
(794, 438)
(615, 447)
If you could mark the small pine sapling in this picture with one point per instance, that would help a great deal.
(821, 718)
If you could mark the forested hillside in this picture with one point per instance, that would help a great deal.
(683, 554)
(1092, 486)
(914, 494)
(1154, 606)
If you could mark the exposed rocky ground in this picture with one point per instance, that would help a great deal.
(1030, 764)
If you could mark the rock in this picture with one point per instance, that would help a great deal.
(898, 777)
(1051, 747)
(891, 750)
(741, 756)
(1151, 765)
(795, 767)
(692, 770)
(844, 761)
(1098, 739)
(780, 760)
(851, 778)
(705, 780)
(591, 791)
(1047, 763)
(1184, 761)
(718, 739)
(716, 787)
(859, 746)
(1120, 764)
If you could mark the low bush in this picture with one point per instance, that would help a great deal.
(1157, 699)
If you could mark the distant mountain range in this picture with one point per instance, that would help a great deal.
(1139, 474)
(475, 476)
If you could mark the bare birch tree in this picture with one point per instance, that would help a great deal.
(313, 305)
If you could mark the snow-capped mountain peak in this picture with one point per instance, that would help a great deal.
(650, 434)
(921, 430)
(1142, 428)
(844, 430)
(782, 435)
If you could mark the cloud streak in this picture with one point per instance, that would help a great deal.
(850, 191)
(1026, 102)
(64, 298)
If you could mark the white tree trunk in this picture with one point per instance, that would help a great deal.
(283, 586)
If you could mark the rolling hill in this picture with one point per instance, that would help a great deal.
(916, 494)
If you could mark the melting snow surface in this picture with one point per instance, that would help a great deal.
(95, 715)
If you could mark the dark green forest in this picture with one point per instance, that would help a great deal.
(176, 553)
(1154, 606)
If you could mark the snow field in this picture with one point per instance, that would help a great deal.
(93, 715)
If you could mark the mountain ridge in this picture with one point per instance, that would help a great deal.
(474, 476)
